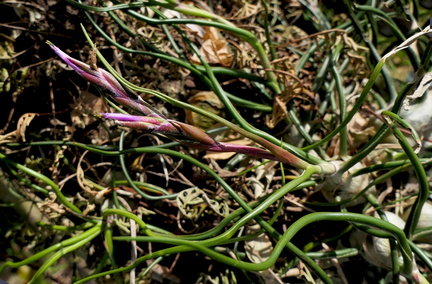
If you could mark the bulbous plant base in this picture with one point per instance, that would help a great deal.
(343, 186)
(377, 250)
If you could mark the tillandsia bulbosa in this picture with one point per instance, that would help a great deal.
(151, 120)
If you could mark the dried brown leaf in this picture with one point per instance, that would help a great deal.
(86, 105)
(82, 181)
(208, 101)
(22, 124)
(214, 49)
(8, 138)
(258, 250)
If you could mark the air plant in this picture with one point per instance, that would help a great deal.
(151, 120)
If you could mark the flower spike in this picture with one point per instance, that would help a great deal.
(104, 80)
(154, 122)
(186, 134)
